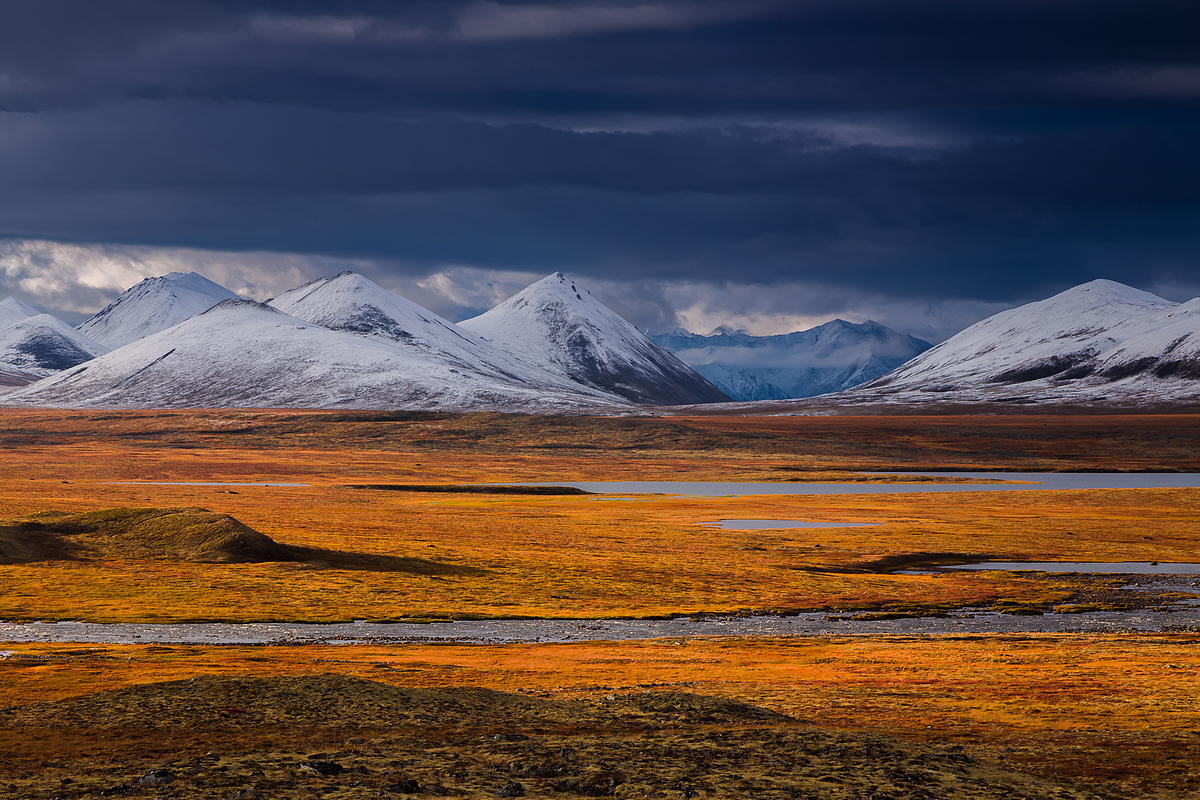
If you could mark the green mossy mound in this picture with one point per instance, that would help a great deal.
(187, 534)
(181, 534)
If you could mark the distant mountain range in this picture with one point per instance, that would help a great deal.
(828, 358)
(1099, 345)
(183, 341)
(345, 342)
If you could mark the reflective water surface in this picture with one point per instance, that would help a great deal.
(195, 483)
(1117, 567)
(776, 524)
(1033, 481)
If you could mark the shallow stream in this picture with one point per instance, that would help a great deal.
(574, 630)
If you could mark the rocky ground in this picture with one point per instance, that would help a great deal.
(339, 737)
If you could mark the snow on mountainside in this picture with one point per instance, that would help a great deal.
(244, 354)
(352, 303)
(10, 378)
(154, 305)
(13, 310)
(42, 345)
(827, 358)
(1102, 341)
(562, 328)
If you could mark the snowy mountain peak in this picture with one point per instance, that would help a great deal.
(13, 310)
(43, 344)
(241, 302)
(1102, 294)
(561, 289)
(559, 326)
(355, 304)
(153, 305)
(240, 353)
(1099, 339)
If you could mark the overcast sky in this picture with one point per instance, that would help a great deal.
(754, 163)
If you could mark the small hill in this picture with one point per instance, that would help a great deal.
(559, 326)
(187, 534)
(217, 736)
(181, 534)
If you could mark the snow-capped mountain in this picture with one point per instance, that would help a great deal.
(13, 310)
(560, 327)
(827, 358)
(154, 305)
(245, 354)
(352, 303)
(1101, 341)
(43, 344)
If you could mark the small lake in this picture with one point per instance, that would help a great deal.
(1034, 481)
(1113, 567)
(195, 483)
(779, 524)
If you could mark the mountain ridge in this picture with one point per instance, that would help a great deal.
(203, 362)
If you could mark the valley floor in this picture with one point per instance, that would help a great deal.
(1105, 714)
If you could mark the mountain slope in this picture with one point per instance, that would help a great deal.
(1098, 342)
(352, 303)
(561, 328)
(827, 358)
(153, 305)
(42, 345)
(243, 354)
(13, 310)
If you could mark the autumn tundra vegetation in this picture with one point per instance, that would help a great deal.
(105, 518)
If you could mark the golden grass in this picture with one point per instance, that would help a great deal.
(1117, 712)
(591, 556)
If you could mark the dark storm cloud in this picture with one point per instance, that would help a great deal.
(987, 150)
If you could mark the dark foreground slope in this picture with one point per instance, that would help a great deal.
(341, 737)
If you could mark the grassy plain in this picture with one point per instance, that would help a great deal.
(1113, 713)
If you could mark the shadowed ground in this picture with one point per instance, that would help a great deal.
(346, 737)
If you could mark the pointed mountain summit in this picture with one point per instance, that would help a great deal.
(1038, 340)
(13, 310)
(245, 354)
(43, 344)
(1101, 342)
(827, 358)
(153, 305)
(560, 327)
(355, 304)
